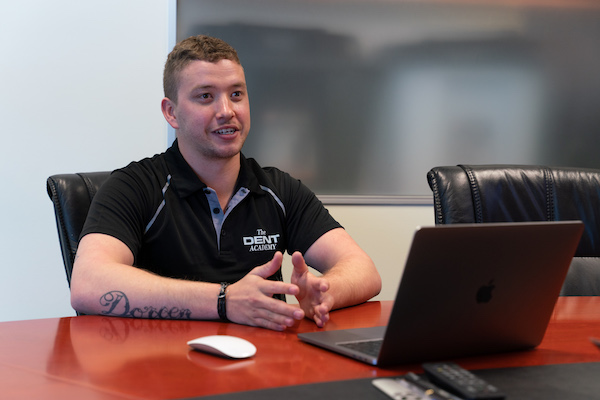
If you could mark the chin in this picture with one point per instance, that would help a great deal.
(223, 154)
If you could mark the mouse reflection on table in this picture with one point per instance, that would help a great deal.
(224, 346)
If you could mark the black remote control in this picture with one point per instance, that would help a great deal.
(456, 379)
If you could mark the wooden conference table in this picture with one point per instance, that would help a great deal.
(95, 357)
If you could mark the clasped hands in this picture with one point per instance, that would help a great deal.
(250, 300)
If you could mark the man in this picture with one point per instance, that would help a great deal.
(198, 231)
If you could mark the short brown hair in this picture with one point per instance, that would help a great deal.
(195, 48)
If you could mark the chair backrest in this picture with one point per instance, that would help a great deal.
(72, 195)
(513, 193)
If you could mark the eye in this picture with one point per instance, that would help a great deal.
(237, 94)
(203, 97)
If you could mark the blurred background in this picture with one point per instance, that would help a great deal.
(363, 97)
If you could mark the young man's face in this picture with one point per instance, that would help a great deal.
(212, 111)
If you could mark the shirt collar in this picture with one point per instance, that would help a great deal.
(185, 182)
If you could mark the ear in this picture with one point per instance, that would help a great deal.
(168, 109)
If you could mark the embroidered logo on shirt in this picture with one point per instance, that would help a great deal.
(261, 241)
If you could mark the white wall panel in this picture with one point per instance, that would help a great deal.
(81, 85)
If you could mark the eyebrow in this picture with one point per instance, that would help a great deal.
(209, 86)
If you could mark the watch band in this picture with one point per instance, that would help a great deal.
(222, 302)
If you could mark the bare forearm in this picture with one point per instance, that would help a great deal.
(353, 281)
(122, 290)
(350, 272)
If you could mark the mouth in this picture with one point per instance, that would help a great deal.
(225, 131)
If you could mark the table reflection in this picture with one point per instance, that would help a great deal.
(151, 357)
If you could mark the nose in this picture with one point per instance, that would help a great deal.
(224, 108)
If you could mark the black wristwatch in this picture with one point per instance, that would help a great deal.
(222, 302)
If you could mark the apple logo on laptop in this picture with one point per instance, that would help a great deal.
(484, 294)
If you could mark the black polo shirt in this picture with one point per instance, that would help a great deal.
(175, 227)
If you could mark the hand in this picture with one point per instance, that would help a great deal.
(313, 296)
(250, 301)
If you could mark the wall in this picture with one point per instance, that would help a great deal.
(81, 85)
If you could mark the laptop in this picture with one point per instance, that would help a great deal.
(467, 289)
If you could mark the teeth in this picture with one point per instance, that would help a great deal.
(229, 131)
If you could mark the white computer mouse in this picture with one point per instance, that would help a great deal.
(224, 346)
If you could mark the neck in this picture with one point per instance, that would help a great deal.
(219, 174)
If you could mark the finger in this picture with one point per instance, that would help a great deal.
(266, 312)
(322, 285)
(278, 317)
(278, 310)
(299, 263)
(268, 324)
(322, 312)
(270, 288)
(318, 322)
(277, 321)
(268, 269)
(321, 318)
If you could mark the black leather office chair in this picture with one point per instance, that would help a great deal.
(72, 195)
(513, 193)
